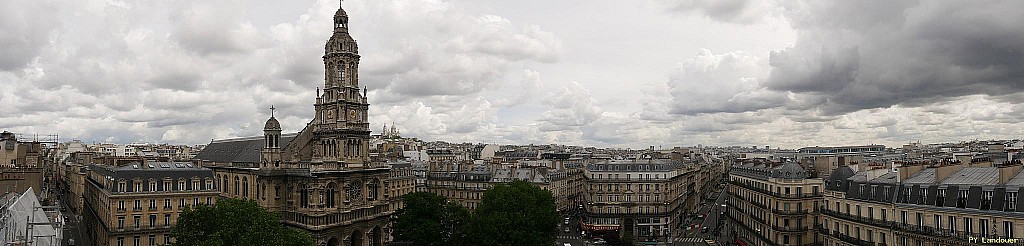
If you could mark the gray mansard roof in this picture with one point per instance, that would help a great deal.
(240, 150)
(974, 176)
(789, 170)
(964, 188)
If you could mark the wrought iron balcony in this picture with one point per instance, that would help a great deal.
(790, 212)
(791, 228)
(859, 219)
(851, 240)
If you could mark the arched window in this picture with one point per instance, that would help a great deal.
(237, 185)
(340, 70)
(245, 187)
(304, 196)
(330, 194)
(372, 192)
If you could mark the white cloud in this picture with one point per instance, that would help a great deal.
(497, 72)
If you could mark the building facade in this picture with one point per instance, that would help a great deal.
(139, 204)
(320, 179)
(773, 204)
(925, 203)
(644, 198)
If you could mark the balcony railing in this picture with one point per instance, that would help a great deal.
(790, 212)
(851, 240)
(865, 220)
(790, 228)
(777, 194)
(757, 204)
(935, 234)
(750, 231)
(945, 236)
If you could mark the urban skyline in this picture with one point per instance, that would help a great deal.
(611, 74)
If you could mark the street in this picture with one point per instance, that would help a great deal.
(572, 237)
(73, 231)
(712, 215)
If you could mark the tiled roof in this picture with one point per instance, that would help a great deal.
(242, 150)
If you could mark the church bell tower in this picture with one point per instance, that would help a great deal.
(340, 128)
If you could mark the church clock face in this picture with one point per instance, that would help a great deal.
(352, 115)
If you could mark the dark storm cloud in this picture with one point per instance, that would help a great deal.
(854, 55)
(907, 52)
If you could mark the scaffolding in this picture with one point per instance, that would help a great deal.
(26, 222)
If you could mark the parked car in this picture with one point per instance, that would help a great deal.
(566, 229)
(704, 230)
(600, 241)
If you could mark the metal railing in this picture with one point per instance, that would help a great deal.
(777, 194)
(790, 228)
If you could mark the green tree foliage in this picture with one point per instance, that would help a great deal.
(518, 213)
(234, 222)
(430, 220)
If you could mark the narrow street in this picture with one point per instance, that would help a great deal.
(712, 216)
(572, 237)
(74, 232)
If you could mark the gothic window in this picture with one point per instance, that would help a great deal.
(236, 185)
(371, 194)
(330, 195)
(245, 187)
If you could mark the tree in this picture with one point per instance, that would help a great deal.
(518, 213)
(234, 222)
(429, 219)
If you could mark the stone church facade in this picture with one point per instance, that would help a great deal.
(320, 179)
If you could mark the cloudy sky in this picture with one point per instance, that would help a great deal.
(582, 72)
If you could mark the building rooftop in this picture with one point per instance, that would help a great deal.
(974, 176)
(153, 170)
(241, 150)
(926, 176)
(888, 178)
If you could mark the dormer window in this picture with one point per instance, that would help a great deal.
(986, 200)
(961, 199)
(941, 196)
(923, 193)
(1011, 201)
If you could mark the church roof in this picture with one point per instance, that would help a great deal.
(240, 150)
